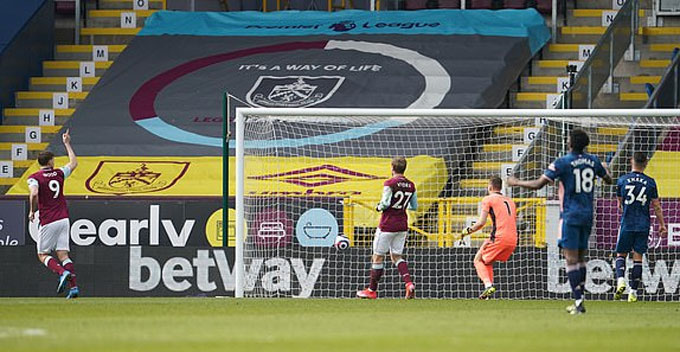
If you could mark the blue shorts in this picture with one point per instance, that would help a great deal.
(575, 236)
(635, 240)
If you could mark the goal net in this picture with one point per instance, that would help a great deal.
(307, 183)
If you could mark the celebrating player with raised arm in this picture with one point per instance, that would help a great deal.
(503, 240)
(576, 172)
(46, 188)
(635, 191)
(399, 193)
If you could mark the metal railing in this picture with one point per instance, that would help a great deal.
(667, 92)
(450, 216)
(641, 137)
(599, 68)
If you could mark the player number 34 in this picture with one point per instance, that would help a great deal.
(631, 197)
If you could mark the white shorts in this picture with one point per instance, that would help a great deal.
(392, 242)
(54, 236)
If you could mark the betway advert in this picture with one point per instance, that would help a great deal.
(176, 248)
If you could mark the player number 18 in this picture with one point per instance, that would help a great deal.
(584, 180)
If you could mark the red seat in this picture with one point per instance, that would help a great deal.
(449, 4)
(515, 4)
(415, 4)
(65, 7)
(544, 6)
(480, 4)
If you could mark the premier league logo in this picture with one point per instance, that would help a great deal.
(343, 26)
(293, 91)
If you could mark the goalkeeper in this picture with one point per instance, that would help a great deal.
(503, 240)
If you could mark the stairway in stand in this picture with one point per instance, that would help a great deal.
(40, 112)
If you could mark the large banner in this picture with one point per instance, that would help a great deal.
(175, 248)
(163, 95)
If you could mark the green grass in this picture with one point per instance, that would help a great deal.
(203, 324)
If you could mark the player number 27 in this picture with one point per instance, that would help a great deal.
(54, 187)
(402, 199)
(585, 179)
(631, 197)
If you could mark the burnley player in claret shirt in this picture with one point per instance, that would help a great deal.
(46, 188)
(399, 194)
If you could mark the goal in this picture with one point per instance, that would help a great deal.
(307, 179)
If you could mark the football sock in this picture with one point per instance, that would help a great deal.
(582, 272)
(68, 265)
(485, 273)
(402, 267)
(620, 267)
(574, 275)
(489, 271)
(53, 265)
(376, 273)
(636, 275)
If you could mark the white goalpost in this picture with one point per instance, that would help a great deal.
(307, 181)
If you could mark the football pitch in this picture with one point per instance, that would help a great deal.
(213, 324)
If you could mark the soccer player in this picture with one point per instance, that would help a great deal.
(577, 172)
(635, 191)
(46, 188)
(399, 193)
(503, 240)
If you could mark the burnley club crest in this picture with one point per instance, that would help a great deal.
(293, 91)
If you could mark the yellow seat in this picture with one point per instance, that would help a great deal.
(69, 65)
(532, 96)
(60, 80)
(543, 79)
(583, 30)
(633, 96)
(117, 13)
(109, 31)
(35, 112)
(87, 48)
(31, 146)
(48, 95)
(22, 129)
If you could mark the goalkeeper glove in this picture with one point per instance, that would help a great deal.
(466, 232)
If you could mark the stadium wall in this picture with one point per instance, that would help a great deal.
(26, 39)
(172, 247)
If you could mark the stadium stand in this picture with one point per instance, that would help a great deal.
(582, 26)
(103, 28)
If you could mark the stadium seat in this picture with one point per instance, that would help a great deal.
(515, 4)
(480, 4)
(544, 6)
(65, 7)
(449, 4)
(432, 4)
(415, 4)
